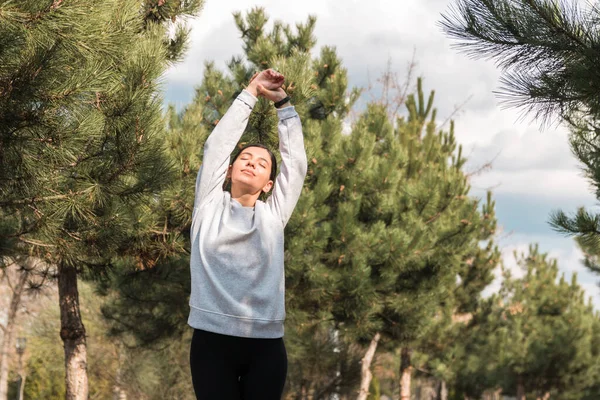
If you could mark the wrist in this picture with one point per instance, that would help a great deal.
(253, 89)
(282, 102)
(279, 96)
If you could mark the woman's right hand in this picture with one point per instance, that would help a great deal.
(268, 79)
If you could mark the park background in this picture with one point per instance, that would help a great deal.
(529, 169)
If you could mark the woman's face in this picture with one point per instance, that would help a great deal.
(250, 172)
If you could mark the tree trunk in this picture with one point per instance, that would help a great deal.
(498, 394)
(72, 332)
(366, 374)
(11, 320)
(443, 391)
(22, 386)
(119, 392)
(520, 389)
(405, 373)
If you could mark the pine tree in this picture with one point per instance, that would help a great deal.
(441, 349)
(79, 121)
(563, 41)
(402, 224)
(537, 337)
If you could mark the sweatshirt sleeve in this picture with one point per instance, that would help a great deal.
(290, 180)
(218, 148)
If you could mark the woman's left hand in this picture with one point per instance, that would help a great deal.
(271, 94)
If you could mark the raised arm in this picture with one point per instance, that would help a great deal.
(224, 137)
(290, 180)
(219, 145)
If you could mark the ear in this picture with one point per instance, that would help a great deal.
(228, 176)
(268, 187)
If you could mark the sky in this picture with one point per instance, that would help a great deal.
(532, 169)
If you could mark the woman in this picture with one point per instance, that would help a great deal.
(237, 305)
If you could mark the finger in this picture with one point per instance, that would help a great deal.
(274, 75)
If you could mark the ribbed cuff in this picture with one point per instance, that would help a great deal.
(286, 112)
(247, 98)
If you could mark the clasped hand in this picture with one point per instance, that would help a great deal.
(267, 84)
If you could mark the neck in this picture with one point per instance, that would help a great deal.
(245, 199)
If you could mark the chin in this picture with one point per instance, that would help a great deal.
(245, 186)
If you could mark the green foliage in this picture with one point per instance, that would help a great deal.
(559, 37)
(374, 389)
(45, 366)
(81, 153)
(538, 331)
(80, 126)
(151, 303)
(403, 225)
(322, 362)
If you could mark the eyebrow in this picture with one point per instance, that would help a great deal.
(261, 158)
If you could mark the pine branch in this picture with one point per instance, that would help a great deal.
(36, 242)
(548, 53)
(40, 199)
(582, 224)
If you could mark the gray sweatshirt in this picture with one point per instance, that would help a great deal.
(236, 262)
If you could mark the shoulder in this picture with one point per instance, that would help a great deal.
(267, 214)
(217, 201)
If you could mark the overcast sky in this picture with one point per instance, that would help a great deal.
(533, 171)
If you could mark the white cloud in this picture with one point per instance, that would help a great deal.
(550, 184)
(525, 160)
(365, 35)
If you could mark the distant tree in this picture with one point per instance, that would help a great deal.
(537, 338)
(22, 280)
(441, 348)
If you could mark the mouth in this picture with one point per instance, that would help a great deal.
(245, 171)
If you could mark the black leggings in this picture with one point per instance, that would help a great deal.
(237, 368)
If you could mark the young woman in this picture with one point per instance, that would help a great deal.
(237, 306)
